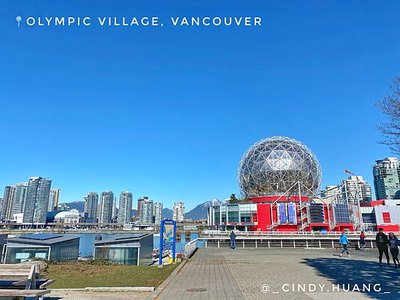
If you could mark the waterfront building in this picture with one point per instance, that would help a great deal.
(386, 174)
(106, 207)
(37, 200)
(114, 214)
(157, 212)
(178, 211)
(91, 205)
(355, 190)
(136, 249)
(46, 246)
(146, 211)
(68, 216)
(139, 206)
(125, 208)
(8, 197)
(21, 191)
(54, 198)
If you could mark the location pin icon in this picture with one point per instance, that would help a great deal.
(18, 19)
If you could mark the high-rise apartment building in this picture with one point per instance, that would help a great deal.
(355, 190)
(146, 211)
(139, 206)
(37, 200)
(157, 212)
(387, 178)
(178, 211)
(114, 214)
(91, 206)
(54, 198)
(106, 207)
(21, 191)
(8, 198)
(125, 208)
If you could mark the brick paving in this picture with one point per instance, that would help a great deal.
(306, 273)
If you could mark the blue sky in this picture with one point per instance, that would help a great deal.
(169, 112)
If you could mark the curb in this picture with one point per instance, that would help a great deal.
(163, 285)
(108, 289)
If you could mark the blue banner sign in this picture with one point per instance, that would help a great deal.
(167, 238)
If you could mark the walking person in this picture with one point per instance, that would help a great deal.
(232, 236)
(362, 241)
(382, 242)
(344, 242)
(394, 249)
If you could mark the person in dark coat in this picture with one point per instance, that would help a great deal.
(362, 241)
(394, 248)
(382, 242)
(232, 236)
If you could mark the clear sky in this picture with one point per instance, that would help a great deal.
(168, 112)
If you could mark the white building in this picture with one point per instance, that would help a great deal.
(18, 218)
(157, 212)
(178, 213)
(387, 178)
(91, 206)
(355, 189)
(68, 217)
(105, 209)
(146, 211)
(125, 208)
(54, 198)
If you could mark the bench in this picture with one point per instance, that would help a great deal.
(23, 294)
(21, 276)
(21, 281)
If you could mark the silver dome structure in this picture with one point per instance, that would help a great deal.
(279, 165)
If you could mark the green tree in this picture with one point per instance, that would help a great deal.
(233, 199)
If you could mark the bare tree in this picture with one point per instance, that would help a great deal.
(390, 106)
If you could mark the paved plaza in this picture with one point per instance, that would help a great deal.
(282, 273)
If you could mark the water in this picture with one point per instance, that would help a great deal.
(86, 245)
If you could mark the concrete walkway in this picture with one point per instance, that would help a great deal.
(275, 273)
(205, 276)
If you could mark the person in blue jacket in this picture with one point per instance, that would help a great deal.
(232, 237)
(344, 242)
(394, 249)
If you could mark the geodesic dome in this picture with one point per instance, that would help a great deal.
(273, 166)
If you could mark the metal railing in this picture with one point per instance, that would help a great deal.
(305, 242)
(190, 248)
(218, 233)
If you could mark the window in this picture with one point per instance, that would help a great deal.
(386, 217)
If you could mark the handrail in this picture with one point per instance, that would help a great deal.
(280, 233)
(190, 248)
